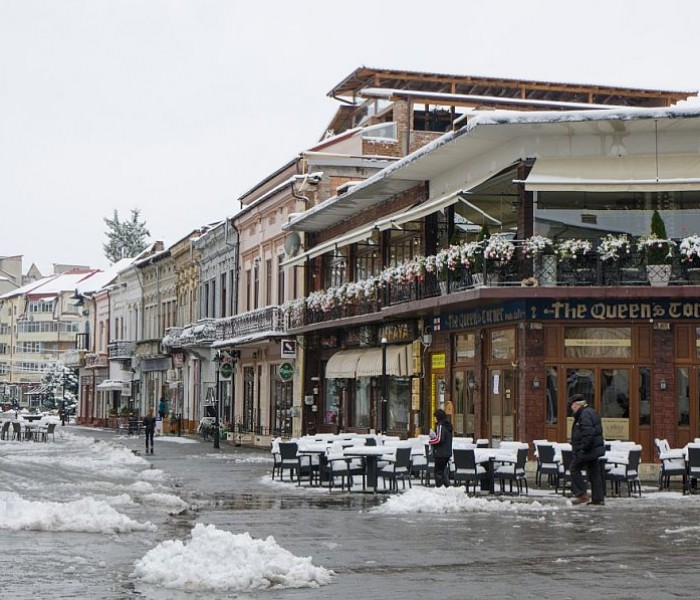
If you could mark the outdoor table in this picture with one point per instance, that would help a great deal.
(371, 455)
(487, 457)
(30, 430)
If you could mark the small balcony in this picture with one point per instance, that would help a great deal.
(74, 358)
(120, 350)
(268, 320)
(96, 360)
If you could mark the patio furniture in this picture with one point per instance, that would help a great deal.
(564, 475)
(693, 467)
(547, 464)
(513, 471)
(398, 469)
(16, 430)
(467, 470)
(5, 433)
(672, 465)
(626, 472)
(43, 433)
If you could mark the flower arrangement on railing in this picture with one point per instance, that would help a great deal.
(499, 249)
(690, 249)
(658, 251)
(574, 249)
(614, 247)
(537, 245)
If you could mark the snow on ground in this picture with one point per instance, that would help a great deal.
(218, 560)
(85, 515)
(452, 500)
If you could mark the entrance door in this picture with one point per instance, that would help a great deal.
(687, 405)
(464, 402)
(501, 405)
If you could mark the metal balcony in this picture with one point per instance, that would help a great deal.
(120, 350)
(253, 323)
(95, 360)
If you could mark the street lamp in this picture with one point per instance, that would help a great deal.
(217, 359)
(384, 386)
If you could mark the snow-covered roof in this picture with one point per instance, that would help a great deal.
(53, 285)
(482, 132)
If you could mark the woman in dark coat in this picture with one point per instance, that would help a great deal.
(587, 445)
(441, 443)
(149, 425)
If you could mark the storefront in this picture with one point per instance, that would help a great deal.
(637, 361)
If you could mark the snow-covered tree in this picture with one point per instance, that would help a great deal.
(125, 239)
(61, 383)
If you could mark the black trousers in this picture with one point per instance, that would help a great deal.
(149, 438)
(442, 475)
(595, 477)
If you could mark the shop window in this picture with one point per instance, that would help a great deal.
(399, 393)
(503, 344)
(598, 342)
(614, 394)
(551, 396)
(363, 393)
(683, 396)
(465, 347)
(645, 396)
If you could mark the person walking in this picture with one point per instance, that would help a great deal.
(441, 443)
(149, 425)
(587, 445)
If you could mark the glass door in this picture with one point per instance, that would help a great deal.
(501, 405)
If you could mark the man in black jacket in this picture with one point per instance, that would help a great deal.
(587, 446)
(441, 443)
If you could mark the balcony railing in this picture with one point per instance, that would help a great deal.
(263, 320)
(95, 360)
(120, 350)
(546, 270)
(74, 358)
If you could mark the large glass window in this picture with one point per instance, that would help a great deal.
(598, 342)
(399, 402)
(614, 393)
(503, 344)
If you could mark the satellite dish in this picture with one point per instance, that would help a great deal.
(292, 243)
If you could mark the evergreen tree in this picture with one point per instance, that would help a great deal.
(125, 239)
(62, 384)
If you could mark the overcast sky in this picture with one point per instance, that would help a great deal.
(178, 107)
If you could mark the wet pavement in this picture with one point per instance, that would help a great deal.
(630, 548)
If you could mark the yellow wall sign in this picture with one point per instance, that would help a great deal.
(437, 361)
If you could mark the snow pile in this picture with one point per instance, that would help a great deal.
(84, 515)
(451, 500)
(174, 504)
(219, 560)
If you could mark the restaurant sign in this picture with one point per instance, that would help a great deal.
(572, 310)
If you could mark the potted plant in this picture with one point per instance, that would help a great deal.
(689, 249)
(612, 248)
(542, 252)
(573, 249)
(658, 250)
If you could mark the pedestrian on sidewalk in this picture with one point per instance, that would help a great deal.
(587, 445)
(149, 425)
(441, 443)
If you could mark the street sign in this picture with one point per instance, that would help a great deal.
(226, 370)
(286, 371)
(288, 349)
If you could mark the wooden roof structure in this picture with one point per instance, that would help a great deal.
(497, 87)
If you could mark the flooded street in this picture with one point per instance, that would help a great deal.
(532, 548)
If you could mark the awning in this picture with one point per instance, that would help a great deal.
(370, 363)
(474, 214)
(110, 385)
(356, 235)
(350, 364)
(343, 364)
(37, 391)
(617, 173)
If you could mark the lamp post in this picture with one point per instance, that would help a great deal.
(384, 386)
(217, 359)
